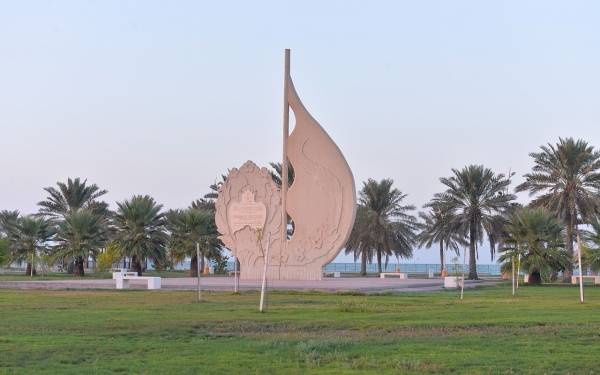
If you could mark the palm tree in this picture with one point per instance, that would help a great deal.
(28, 237)
(276, 177)
(358, 244)
(191, 228)
(591, 250)
(72, 196)
(437, 228)
(276, 174)
(4, 251)
(6, 219)
(203, 204)
(535, 234)
(566, 180)
(140, 230)
(79, 236)
(208, 201)
(476, 202)
(382, 227)
(214, 188)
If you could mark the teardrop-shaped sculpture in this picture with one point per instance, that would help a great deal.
(322, 200)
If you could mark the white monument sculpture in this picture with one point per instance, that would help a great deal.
(321, 203)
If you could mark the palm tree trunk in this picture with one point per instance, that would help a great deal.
(379, 260)
(194, 267)
(136, 266)
(28, 270)
(472, 261)
(363, 264)
(79, 267)
(569, 270)
(201, 264)
(535, 278)
(442, 255)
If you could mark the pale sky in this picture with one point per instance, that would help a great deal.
(162, 97)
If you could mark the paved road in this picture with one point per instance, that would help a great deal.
(226, 284)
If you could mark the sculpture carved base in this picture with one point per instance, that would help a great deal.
(301, 273)
(257, 273)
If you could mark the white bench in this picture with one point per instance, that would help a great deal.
(122, 273)
(401, 275)
(122, 276)
(574, 279)
(332, 273)
(452, 282)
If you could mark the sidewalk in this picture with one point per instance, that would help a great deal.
(227, 284)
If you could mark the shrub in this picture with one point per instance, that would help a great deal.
(220, 265)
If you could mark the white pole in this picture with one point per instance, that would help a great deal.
(513, 275)
(264, 280)
(32, 265)
(235, 275)
(284, 159)
(198, 266)
(462, 287)
(518, 269)
(580, 272)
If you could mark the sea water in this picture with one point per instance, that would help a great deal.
(491, 269)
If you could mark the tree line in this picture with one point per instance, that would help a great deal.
(72, 224)
(477, 205)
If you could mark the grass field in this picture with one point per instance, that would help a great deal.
(542, 330)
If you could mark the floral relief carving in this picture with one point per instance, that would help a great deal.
(316, 242)
(299, 253)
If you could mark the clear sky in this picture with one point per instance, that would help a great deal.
(162, 97)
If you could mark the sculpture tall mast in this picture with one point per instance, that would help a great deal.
(322, 198)
(321, 202)
(284, 160)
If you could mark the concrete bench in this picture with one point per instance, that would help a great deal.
(574, 279)
(452, 282)
(121, 274)
(401, 275)
(234, 273)
(122, 277)
(332, 273)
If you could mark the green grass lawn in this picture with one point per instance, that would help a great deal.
(542, 330)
